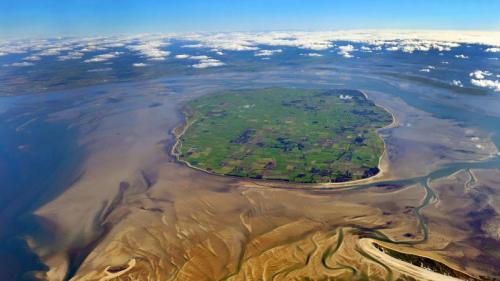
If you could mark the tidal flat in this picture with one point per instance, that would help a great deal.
(127, 210)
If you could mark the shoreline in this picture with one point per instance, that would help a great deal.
(404, 267)
(179, 131)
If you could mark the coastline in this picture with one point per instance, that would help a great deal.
(368, 245)
(180, 130)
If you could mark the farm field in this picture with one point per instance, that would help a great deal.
(309, 136)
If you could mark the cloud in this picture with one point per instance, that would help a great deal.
(366, 49)
(151, 50)
(246, 41)
(313, 55)
(479, 78)
(493, 50)
(103, 57)
(21, 64)
(104, 69)
(151, 46)
(346, 50)
(53, 51)
(404, 40)
(194, 46)
(494, 85)
(461, 56)
(70, 56)
(91, 48)
(199, 57)
(32, 58)
(267, 53)
(204, 63)
(479, 74)
(412, 45)
(139, 64)
(457, 83)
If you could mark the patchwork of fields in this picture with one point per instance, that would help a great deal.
(296, 135)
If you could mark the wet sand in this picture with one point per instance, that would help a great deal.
(137, 214)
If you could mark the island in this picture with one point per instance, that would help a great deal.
(296, 135)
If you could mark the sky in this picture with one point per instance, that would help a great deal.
(30, 18)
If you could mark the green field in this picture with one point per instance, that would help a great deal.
(286, 134)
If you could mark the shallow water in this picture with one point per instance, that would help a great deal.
(38, 159)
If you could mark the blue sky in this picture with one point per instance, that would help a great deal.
(21, 18)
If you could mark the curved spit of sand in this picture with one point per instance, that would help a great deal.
(383, 165)
(366, 244)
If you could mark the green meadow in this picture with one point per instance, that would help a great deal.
(297, 135)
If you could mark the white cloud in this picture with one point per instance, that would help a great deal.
(139, 64)
(428, 68)
(200, 57)
(366, 49)
(151, 49)
(70, 56)
(182, 56)
(479, 74)
(151, 46)
(495, 85)
(493, 50)
(53, 51)
(457, 83)
(479, 78)
(194, 46)
(91, 48)
(313, 55)
(32, 58)
(113, 45)
(346, 50)
(103, 57)
(20, 64)
(412, 45)
(461, 56)
(104, 69)
(204, 63)
(267, 53)
(403, 40)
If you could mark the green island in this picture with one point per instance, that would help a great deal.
(306, 136)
